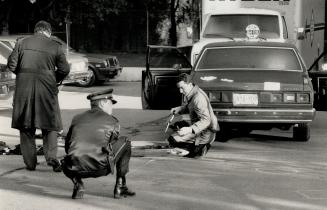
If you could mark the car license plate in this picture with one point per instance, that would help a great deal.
(245, 99)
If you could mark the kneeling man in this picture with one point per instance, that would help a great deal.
(94, 148)
(194, 138)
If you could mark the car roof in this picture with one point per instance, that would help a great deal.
(250, 44)
(245, 11)
(13, 37)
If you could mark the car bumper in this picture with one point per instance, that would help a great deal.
(6, 88)
(74, 77)
(109, 72)
(266, 115)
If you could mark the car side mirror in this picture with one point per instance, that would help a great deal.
(177, 66)
(300, 33)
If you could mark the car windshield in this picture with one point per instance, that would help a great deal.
(234, 26)
(249, 58)
(167, 58)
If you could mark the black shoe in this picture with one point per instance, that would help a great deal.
(78, 191)
(122, 191)
(127, 192)
(56, 166)
(121, 188)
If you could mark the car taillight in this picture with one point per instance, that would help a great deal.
(302, 98)
(289, 97)
(276, 97)
(214, 96)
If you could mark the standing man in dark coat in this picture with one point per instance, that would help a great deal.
(94, 148)
(39, 64)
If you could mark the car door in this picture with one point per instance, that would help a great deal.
(318, 74)
(163, 65)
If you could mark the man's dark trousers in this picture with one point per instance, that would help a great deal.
(28, 146)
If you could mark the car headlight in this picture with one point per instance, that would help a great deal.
(78, 66)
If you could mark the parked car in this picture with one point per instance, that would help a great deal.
(7, 78)
(163, 65)
(254, 85)
(318, 74)
(100, 69)
(78, 63)
(104, 69)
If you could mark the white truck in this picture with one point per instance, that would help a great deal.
(301, 22)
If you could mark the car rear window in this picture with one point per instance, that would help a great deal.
(234, 25)
(256, 58)
(167, 58)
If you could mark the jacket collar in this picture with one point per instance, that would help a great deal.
(97, 109)
(190, 95)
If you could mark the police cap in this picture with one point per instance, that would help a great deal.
(104, 94)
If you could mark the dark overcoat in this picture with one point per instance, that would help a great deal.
(39, 64)
(89, 133)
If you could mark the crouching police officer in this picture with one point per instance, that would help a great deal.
(94, 148)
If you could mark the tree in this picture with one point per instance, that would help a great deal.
(174, 4)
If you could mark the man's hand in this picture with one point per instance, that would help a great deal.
(184, 131)
(175, 110)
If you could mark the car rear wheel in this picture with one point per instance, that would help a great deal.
(301, 132)
(88, 81)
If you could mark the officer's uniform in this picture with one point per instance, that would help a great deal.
(93, 145)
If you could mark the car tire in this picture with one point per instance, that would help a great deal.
(89, 81)
(301, 132)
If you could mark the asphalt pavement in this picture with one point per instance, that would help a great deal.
(263, 171)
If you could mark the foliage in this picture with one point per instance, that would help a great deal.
(98, 24)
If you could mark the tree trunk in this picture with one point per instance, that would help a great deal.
(172, 30)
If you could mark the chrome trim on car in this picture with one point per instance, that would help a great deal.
(266, 110)
(265, 115)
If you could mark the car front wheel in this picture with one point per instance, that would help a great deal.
(88, 81)
(301, 132)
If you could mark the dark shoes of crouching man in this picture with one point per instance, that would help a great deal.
(121, 189)
(78, 191)
(56, 166)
